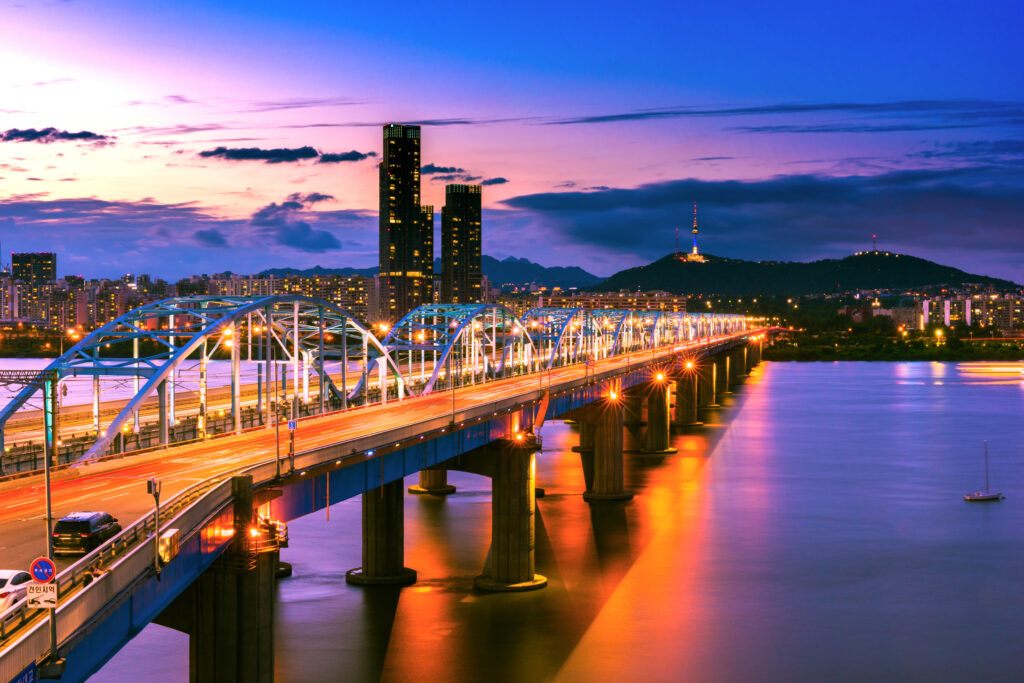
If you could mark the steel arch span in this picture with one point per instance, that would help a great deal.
(149, 344)
(459, 344)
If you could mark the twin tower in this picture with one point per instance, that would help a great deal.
(407, 232)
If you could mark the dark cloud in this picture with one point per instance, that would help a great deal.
(299, 103)
(430, 169)
(328, 158)
(270, 156)
(279, 223)
(422, 122)
(455, 178)
(973, 212)
(711, 158)
(963, 108)
(495, 181)
(48, 135)
(985, 151)
(311, 198)
(211, 237)
(864, 128)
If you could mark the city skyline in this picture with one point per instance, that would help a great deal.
(610, 128)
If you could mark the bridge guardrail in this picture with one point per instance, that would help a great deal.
(83, 577)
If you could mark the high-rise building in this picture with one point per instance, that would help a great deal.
(406, 244)
(34, 268)
(34, 272)
(461, 221)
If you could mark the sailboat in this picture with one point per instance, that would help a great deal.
(986, 495)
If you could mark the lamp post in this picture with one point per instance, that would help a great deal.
(153, 489)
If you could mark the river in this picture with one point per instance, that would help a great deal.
(813, 530)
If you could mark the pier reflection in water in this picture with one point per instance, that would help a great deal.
(812, 530)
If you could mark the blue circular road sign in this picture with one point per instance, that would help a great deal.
(43, 570)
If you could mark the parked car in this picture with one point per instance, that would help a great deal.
(12, 587)
(81, 532)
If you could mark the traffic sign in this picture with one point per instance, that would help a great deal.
(43, 570)
(291, 425)
(41, 595)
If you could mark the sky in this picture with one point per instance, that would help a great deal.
(189, 137)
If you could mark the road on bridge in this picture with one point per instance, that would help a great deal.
(122, 491)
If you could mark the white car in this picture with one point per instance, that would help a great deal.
(13, 584)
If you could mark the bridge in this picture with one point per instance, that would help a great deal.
(448, 387)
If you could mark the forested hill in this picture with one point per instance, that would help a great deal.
(866, 270)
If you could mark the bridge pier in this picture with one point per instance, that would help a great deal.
(658, 436)
(686, 401)
(383, 540)
(707, 380)
(607, 478)
(586, 437)
(513, 505)
(434, 481)
(633, 420)
(228, 611)
(722, 374)
(738, 364)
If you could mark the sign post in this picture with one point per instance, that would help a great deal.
(42, 594)
(291, 440)
(153, 489)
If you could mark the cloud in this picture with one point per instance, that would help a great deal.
(311, 198)
(48, 135)
(455, 178)
(270, 156)
(963, 108)
(279, 223)
(430, 169)
(711, 158)
(985, 151)
(210, 237)
(495, 181)
(421, 122)
(327, 158)
(298, 103)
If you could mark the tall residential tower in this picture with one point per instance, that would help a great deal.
(406, 239)
(461, 220)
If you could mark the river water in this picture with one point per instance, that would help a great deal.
(813, 530)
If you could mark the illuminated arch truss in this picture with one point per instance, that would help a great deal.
(153, 346)
(444, 345)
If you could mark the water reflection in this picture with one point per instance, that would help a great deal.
(812, 531)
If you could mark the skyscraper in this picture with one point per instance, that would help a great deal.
(461, 220)
(34, 268)
(406, 243)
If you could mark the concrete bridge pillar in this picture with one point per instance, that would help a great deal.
(228, 611)
(722, 374)
(383, 539)
(633, 420)
(658, 430)
(755, 354)
(586, 437)
(706, 382)
(738, 364)
(607, 479)
(686, 401)
(433, 480)
(513, 506)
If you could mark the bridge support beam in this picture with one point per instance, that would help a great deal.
(607, 478)
(228, 611)
(686, 401)
(722, 374)
(586, 438)
(383, 539)
(433, 480)
(658, 436)
(513, 505)
(162, 422)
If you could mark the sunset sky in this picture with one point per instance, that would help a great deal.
(187, 137)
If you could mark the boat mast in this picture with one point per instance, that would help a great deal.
(986, 466)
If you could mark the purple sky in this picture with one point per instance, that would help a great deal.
(202, 137)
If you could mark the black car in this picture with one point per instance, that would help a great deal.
(81, 532)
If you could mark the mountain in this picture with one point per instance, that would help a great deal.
(511, 271)
(519, 271)
(865, 270)
(316, 270)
